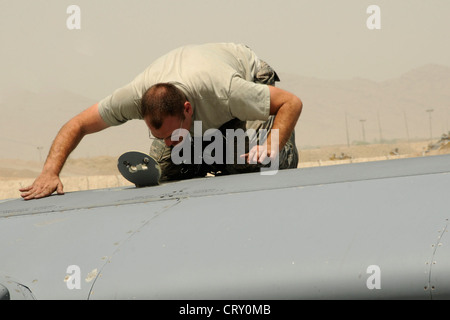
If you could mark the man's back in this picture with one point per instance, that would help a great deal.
(186, 61)
(204, 73)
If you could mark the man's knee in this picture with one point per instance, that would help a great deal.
(163, 155)
(170, 170)
(289, 157)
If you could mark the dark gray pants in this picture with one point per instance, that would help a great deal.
(288, 157)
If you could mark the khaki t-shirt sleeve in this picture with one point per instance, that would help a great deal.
(121, 106)
(248, 100)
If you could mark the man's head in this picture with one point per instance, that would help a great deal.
(165, 109)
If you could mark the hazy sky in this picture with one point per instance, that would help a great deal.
(327, 39)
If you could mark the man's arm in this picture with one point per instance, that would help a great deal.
(70, 135)
(286, 107)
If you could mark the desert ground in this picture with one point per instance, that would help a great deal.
(101, 172)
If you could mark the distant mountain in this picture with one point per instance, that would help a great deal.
(392, 109)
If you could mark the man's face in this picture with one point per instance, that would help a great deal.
(171, 125)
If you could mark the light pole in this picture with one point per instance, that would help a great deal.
(363, 131)
(346, 129)
(379, 127)
(406, 125)
(431, 130)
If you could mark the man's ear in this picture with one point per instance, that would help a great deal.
(188, 110)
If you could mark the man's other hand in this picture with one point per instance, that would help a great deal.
(261, 154)
(43, 186)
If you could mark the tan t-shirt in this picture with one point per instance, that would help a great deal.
(217, 79)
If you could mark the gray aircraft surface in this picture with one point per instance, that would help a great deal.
(374, 230)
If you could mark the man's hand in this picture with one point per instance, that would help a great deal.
(87, 122)
(262, 153)
(43, 186)
(286, 108)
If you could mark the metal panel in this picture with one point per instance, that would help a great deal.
(38, 249)
(302, 233)
(265, 245)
